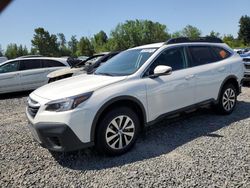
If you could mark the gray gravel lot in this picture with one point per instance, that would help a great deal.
(201, 149)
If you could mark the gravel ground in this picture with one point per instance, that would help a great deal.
(199, 150)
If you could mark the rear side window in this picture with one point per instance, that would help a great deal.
(30, 64)
(201, 55)
(52, 63)
(221, 53)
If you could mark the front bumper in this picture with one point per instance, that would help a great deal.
(57, 137)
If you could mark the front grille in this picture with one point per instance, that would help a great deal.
(33, 107)
(247, 66)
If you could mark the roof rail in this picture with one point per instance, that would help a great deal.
(199, 39)
(29, 56)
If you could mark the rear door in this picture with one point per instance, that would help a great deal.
(209, 71)
(9, 77)
(32, 75)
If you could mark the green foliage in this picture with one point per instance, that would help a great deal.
(72, 46)
(214, 34)
(63, 49)
(62, 40)
(44, 43)
(244, 31)
(176, 34)
(14, 51)
(188, 31)
(99, 41)
(138, 32)
(84, 47)
(191, 32)
(232, 42)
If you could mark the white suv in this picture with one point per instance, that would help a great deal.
(134, 89)
(28, 72)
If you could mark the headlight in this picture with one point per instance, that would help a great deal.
(67, 103)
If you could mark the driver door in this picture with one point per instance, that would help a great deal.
(168, 93)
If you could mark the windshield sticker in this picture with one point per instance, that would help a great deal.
(148, 50)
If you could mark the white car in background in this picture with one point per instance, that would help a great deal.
(28, 73)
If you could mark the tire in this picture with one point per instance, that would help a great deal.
(117, 131)
(227, 100)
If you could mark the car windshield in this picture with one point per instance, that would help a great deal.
(125, 63)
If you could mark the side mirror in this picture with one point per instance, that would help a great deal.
(161, 70)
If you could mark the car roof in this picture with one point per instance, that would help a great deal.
(60, 59)
(154, 45)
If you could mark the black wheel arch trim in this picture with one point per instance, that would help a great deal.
(110, 102)
(223, 83)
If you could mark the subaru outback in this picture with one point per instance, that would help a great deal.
(136, 88)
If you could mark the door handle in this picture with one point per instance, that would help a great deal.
(221, 69)
(189, 77)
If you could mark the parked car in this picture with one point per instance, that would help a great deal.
(136, 88)
(3, 59)
(86, 66)
(28, 73)
(246, 61)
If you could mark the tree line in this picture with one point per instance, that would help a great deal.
(123, 36)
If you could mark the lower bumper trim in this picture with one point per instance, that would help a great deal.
(57, 137)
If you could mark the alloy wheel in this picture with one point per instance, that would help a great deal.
(120, 132)
(228, 99)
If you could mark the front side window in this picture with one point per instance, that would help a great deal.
(174, 58)
(126, 63)
(9, 67)
(30, 64)
(201, 55)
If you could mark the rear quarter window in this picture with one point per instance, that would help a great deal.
(221, 53)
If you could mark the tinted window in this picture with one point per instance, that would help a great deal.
(30, 64)
(52, 63)
(9, 67)
(174, 58)
(220, 53)
(201, 55)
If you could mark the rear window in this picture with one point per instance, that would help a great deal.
(221, 53)
(30, 64)
(52, 63)
(202, 55)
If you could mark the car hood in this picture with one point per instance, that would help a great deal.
(75, 85)
(65, 71)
